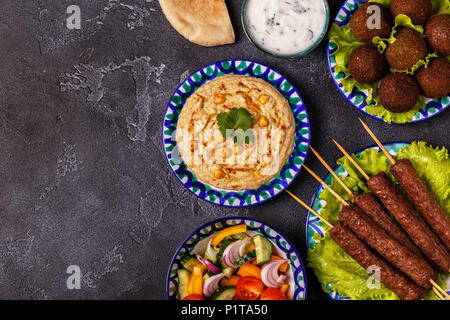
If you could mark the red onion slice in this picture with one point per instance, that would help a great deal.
(212, 284)
(209, 265)
(231, 253)
(270, 276)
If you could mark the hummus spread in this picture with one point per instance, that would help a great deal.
(228, 161)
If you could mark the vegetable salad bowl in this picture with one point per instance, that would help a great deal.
(296, 275)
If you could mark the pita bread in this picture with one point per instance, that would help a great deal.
(204, 22)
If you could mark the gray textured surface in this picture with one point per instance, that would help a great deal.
(84, 180)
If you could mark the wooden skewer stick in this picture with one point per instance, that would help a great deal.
(435, 285)
(352, 161)
(334, 193)
(343, 185)
(310, 209)
(436, 292)
(390, 158)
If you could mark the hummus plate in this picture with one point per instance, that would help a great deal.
(218, 158)
(248, 192)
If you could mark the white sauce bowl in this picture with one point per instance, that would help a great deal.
(280, 27)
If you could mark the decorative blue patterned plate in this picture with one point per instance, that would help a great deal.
(296, 275)
(357, 97)
(315, 226)
(226, 197)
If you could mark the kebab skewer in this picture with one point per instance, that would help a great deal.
(367, 230)
(406, 216)
(417, 191)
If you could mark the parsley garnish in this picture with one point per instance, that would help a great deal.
(236, 122)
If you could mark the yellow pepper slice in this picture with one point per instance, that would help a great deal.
(249, 270)
(195, 283)
(240, 228)
(232, 282)
(284, 288)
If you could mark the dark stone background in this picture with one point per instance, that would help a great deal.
(83, 177)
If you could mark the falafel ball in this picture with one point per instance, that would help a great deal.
(434, 81)
(408, 48)
(358, 23)
(418, 10)
(398, 92)
(437, 31)
(366, 64)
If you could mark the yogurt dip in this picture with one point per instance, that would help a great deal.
(285, 27)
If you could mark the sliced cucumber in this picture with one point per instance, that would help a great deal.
(223, 246)
(224, 293)
(246, 258)
(263, 248)
(240, 236)
(211, 253)
(228, 272)
(183, 279)
(189, 262)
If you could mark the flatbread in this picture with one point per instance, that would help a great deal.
(204, 22)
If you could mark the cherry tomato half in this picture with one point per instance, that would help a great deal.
(272, 294)
(194, 297)
(249, 288)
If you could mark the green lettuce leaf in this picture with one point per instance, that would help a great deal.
(332, 266)
(346, 43)
(441, 7)
(383, 2)
(380, 111)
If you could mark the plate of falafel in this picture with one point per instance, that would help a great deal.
(391, 58)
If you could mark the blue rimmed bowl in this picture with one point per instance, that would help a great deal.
(226, 197)
(296, 275)
(357, 97)
(315, 227)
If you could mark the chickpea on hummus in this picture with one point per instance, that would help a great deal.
(236, 132)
